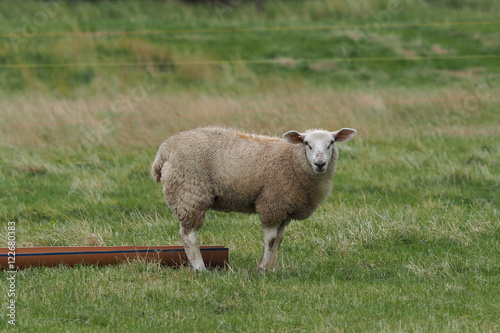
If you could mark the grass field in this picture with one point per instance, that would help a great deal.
(409, 239)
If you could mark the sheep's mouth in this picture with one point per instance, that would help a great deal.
(318, 169)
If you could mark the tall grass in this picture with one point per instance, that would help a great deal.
(144, 117)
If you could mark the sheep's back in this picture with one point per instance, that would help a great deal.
(236, 164)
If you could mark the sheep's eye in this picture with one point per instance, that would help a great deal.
(307, 144)
(330, 145)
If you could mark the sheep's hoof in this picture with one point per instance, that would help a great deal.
(199, 268)
(261, 269)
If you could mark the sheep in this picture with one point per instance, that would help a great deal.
(223, 169)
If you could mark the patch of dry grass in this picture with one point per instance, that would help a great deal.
(142, 117)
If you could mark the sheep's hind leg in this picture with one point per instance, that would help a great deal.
(270, 234)
(189, 198)
(192, 248)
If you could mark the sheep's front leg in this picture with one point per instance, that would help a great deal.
(276, 245)
(270, 234)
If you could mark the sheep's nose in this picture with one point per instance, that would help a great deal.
(320, 164)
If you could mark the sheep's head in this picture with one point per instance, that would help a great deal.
(319, 145)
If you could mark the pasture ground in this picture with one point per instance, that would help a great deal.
(409, 238)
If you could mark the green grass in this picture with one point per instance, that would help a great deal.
(403, 243)
(408, 241)
(190, 39)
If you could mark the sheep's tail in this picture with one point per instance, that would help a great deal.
(161, 158)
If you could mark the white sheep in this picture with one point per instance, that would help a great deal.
(229, 170)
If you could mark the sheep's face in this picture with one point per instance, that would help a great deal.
(319, 145)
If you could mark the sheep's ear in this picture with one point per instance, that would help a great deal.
(293, 137)
(344, 134)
